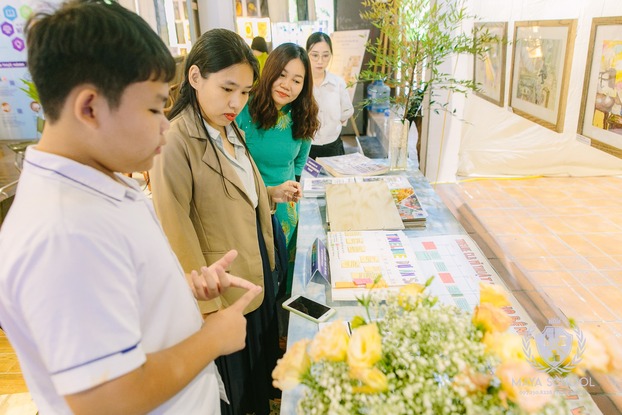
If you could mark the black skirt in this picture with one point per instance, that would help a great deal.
(247, 374)
(327, 150)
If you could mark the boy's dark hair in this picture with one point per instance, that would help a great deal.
(304, 108)
(318, 37)
(96, 42)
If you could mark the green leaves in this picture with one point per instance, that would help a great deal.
(30, 90)
(417, 37)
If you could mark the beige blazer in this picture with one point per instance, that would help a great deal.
(203, 221)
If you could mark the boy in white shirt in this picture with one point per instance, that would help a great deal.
(92, 298)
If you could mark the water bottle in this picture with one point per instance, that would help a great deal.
(371, 95)
(379, 93)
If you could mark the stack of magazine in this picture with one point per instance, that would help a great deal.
(408, 205)
(354, 164)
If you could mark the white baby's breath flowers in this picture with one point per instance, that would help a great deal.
(433, 361)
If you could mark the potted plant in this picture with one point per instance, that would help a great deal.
(416, 37)
(31, 91)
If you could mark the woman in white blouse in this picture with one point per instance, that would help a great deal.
(329, 90)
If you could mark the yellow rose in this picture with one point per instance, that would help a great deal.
(408, 294)
(529, 388)
(493, 295)
(331, 343)
(615, 359)
(473, 381)
(373, 379)
(357, 322)
(292, 366)
(365, 348)
(491, 318)
(593, 357)
(506, 346)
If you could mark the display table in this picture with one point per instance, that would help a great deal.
(441, 225)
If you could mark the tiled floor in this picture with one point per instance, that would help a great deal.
(558, 244)
(556, 241)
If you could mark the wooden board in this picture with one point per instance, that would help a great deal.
(361, 206)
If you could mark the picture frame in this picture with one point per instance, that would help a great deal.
(489, 70)
(600, 117)
(541, 60)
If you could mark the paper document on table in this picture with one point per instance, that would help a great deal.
(316, 186)
(364, 260)
(353, 164)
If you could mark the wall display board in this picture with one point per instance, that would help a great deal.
(541, 69)
(489, 71)
(248, 8)
(250, 27)
(18, 115)
(600, 118)
(297, 32)
(348, 52)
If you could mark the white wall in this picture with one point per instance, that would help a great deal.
(488, 140)
(216, 13)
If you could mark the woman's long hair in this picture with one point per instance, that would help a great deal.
(215, 50)
(304, 108)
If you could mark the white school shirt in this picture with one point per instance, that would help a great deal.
(335, 108)
(241, 163)
(89, 285)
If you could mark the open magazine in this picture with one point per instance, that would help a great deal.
(353, 164)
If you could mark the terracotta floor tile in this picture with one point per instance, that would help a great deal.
(614, 275)
(554, 278)
(521, 245)
(553, 245)
(576, 263)
(610, 244)
(558, 225)
(580, 304)
(616, 329)
(590, 224)
(605, 202)
(580, 244)
(594, 277)
(483, 204)
(539, 263)
(611, 297)
(604, 263)
(487, 213)
(535, 227)
(503, 225)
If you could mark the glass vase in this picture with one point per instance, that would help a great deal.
(398, 144)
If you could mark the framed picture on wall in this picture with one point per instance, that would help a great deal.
(489, 69)
(540, 70)
(600, 118)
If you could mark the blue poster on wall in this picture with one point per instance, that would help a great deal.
(18, 115)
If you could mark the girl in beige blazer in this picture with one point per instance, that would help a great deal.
(210, 199)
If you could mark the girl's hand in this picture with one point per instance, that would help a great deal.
(289, 191)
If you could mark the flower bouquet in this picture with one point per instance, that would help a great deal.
(412, 354)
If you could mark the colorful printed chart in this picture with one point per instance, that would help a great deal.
(364, 260)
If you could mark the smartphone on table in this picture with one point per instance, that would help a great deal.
(308, 308)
